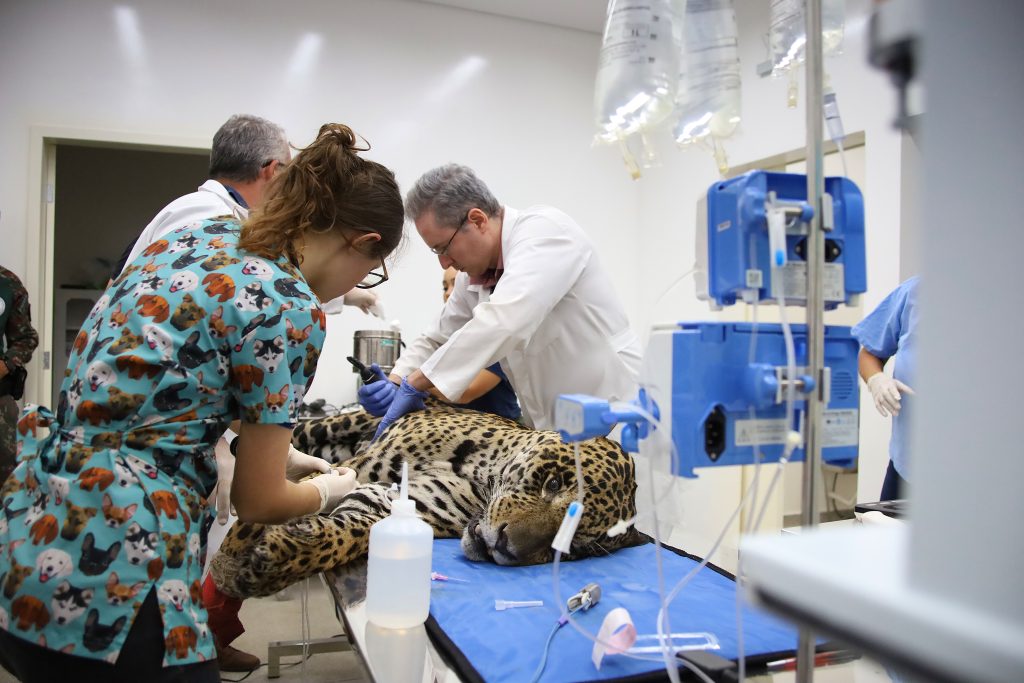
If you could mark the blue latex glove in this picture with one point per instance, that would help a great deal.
(376, 397)
(408, 399)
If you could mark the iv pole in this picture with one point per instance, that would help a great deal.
(815, 300)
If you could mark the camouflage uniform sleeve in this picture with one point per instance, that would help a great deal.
(22, 338)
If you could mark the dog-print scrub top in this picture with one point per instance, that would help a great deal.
(108, 501)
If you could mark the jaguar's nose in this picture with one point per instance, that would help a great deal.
(473, 543)
(501, 545)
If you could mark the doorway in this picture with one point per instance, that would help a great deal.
(98, 191)
(103, 199)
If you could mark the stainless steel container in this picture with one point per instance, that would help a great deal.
(377, 346)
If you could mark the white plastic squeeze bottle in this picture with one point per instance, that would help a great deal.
(398, 573)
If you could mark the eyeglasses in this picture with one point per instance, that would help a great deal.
(375, 277)
(441, 251)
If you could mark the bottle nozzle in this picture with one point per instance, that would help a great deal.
(403, 491)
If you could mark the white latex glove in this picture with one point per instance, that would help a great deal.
(333, 486)
(300, 464)
(886, 392)
(225, 473)
(364, 300)
(334, 306)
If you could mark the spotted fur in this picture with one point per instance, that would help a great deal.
(501, 487)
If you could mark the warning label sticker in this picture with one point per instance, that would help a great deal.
(795, 281)
(760, 432)
(839, 428)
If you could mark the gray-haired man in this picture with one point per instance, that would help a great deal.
(247, 151)
(532, 294)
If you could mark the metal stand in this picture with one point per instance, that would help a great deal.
(285, 648)
(815, 299)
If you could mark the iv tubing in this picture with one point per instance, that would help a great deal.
(673, 460)
(675, 591)
(749, 495)
(842, 156)
(662, 619)
(539, 671)
(740, 648)
(714, 548)
(572, 622)
(672, 285)
(668, 657)
(787, 451)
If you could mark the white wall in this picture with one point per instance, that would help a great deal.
(425, 84)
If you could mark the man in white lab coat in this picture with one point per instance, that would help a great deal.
(247, 152)
(531, 293)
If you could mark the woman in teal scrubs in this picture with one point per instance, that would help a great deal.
(105, 517)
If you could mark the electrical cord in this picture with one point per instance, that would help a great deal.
(306, 629)
(265, 664)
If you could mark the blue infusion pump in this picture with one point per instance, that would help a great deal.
(734, 248)
(714, 387)
(699, 382)
(707, 405)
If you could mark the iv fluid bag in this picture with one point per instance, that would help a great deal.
(636, 75)
(708, 96)
(787, 35)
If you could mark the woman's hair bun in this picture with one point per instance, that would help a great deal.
(327, 187)
(341, 135)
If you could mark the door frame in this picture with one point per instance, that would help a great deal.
(39, 224)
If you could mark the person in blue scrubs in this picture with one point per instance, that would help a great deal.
(890, 332)
(490, 392)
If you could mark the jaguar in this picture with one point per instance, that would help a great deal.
(502, 487)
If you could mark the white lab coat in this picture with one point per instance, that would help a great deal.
(209, 201)
(553, 320)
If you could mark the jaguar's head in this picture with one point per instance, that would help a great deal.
(528, 501)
